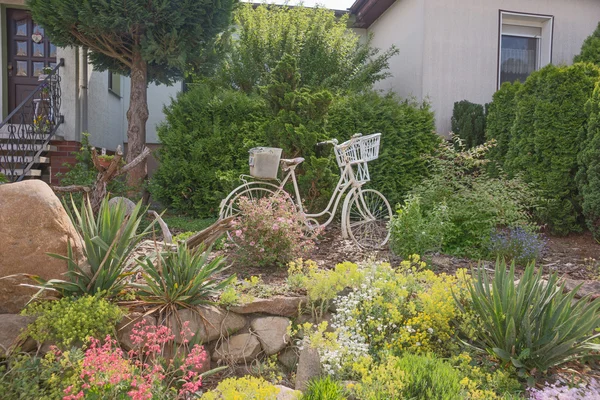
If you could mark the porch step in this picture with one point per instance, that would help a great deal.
(4, 147)
(19, 172)
(25, 159)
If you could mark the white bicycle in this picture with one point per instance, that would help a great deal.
(365, 212)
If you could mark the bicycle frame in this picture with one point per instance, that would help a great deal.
(347, 180)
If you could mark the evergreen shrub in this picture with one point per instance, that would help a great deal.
(588, 176)
(499, 122)
(590, 50)
(205, 141)
(468, 122)
(408, 136)
(549, 122)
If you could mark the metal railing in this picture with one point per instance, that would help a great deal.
(26, 133)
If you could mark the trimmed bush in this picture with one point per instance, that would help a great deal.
(499, 122)
(468, 123)
(206, 137)
(550, 119)
(588, 176)
(590, 50)
(408, 133)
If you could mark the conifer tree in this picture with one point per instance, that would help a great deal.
(149, 41)
(590, 51)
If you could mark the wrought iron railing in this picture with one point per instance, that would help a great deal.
(26, 133)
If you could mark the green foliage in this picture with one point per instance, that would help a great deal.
(245, 388)
(588, 176)
(324, 389)
(418, 377)
(413, 232)
(205, 141)
(475, 202)
(3, 178)
(168, 35)
(183, 236)
(500, 119)
(329, 54)
(532, 324)
(70, 321)
(590, 50)
(296, 125)
(407, 136)
(468, 123)
(108, 240)
(25, 376)
(187, 224)
(180, 279)
(545, 138)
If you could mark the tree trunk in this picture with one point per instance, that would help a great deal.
(137, 115)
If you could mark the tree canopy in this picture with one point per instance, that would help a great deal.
(328, 54)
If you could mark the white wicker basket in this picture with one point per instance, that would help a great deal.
(363, 148)
(264, 162)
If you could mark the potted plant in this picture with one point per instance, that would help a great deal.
(105, 161)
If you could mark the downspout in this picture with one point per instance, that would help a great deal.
(77, 118)
(84, 89)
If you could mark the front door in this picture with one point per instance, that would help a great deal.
(29, 51)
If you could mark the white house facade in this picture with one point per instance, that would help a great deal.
(452, 50)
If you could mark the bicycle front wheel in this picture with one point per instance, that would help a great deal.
(367, 218)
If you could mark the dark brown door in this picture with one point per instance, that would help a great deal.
(29, 51)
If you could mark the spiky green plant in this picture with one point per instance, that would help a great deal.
(108, 239)
(532, 323)
(180, 279)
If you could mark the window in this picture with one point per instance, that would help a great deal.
(114, 83)
(525, 45)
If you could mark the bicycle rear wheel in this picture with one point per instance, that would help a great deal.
(367, 218)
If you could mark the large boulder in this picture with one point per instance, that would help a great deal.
(208, 322)
(272, 333)
(309, 367)
(277, 305)
(33, 223)
(237, 349)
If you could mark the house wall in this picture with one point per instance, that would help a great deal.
(105, 112)
(459, 45)
(158, 97)
(402, 25)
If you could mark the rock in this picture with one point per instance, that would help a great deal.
(11, 327)
(208, 322)
(272, 333)
(591, 288)
(289, 358)
(285, 393)
(309, 367)
(129, 205)
(33, 223)
(277, 305)
(239, 348)
(126, 325)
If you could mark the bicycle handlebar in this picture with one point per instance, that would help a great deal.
(333, 141)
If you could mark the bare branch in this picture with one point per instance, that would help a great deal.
(72, 189)
(135, 161)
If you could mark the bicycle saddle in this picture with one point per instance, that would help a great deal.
(292, 161)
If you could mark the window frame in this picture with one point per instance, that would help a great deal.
(112, 79)
(543, 21)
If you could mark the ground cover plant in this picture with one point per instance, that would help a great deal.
(460, 206)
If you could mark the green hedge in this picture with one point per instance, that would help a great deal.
(208, 132)
(408, 134)
(205, 141)
(500, 119)
(544, 139)
(468, 123)
(588, 177)
(590, 50)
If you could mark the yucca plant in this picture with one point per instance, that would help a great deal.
(108, 239)
(180, 279)
(533, 323)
